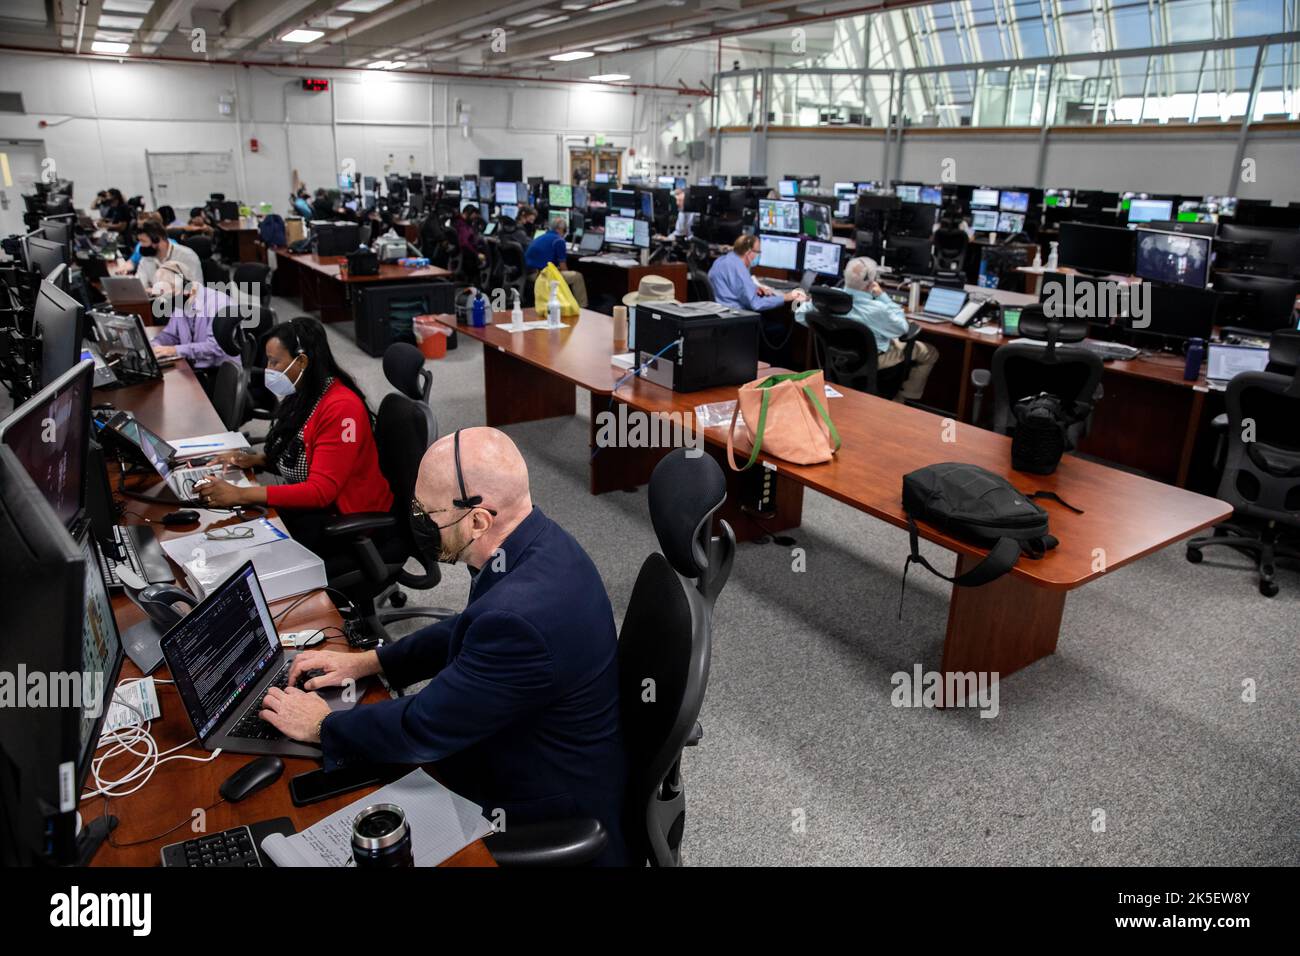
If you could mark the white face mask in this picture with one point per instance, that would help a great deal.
(278, 383)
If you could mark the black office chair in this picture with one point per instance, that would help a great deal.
(697, 271)
(513, 270)
(382, 542)
(950, 250)
(666, 637)
(846, 350)
(229, 387)
(256, 275)
(1261, 478)
(1070, 372)
(202, 246)
(404, 368)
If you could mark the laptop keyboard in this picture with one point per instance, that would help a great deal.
(252, 727)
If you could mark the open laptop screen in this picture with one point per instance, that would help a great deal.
(1227, 361)
(221, 648)
(944, 302)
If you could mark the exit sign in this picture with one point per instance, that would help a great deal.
(314, 85)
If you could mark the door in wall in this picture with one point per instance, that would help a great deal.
(22, 164)
(585, 163)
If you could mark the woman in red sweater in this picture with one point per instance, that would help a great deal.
(320, 441)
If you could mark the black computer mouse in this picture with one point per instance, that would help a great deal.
(251, 777)
(183, 516)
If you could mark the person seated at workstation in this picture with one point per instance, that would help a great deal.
(527, 219)
(115, 214)
(197, 224)
(323, 208)
(552, 247)
(887, 321)
(301, 202)
(521, 712)
(320, 442)
(682, 226)
(156, 248)
(188, 333)
(736, 287)
(467, 224)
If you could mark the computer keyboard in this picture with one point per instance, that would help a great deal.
(151, 566)
(252, 727)
(1111, 350)
(229, 848)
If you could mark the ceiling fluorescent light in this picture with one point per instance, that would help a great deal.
(363, 6)
(609, 77)
(526, 19)
(302, 36)
(571, 55)
(615, 47)
(109, 21)
(550, 21)
(378, 65)
(109, 46)
(610, 5)
(397, 65)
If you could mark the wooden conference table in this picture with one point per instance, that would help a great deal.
(177, 407)
(1000, 627)
(319, 282)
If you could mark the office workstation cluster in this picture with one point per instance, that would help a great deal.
(418, 449)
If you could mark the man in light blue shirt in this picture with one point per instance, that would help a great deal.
(886, 320)
(733, 285)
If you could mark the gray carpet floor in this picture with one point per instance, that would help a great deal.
(1131, 745)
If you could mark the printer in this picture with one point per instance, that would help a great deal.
(704, 344)
(390, 248)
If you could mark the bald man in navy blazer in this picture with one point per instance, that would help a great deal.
(521, 713)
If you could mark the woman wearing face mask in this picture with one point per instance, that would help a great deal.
(320, 442)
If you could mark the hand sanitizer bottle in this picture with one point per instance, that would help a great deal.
(553, 307)
(1051, 256)
(517, 315)
(1038, 258)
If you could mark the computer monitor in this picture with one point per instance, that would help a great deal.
(815, 220)
(58, 230)
(666, 182)
(778, 215)
(1058, 198)
(45, 256)
(777, 252)
(507, 193)
(1176, 312)
(623, 202)
(1101, 250)
(910, 255)
(930, 195)
(1257, 250)
(984, 220)
(1259, 303)
(559, 195)
(788, 188)
(1011, 222)
(1146, 210)
(1266, 215)
(601, 178)
(846, 189)
(58, 621)
(1180, 258)
(647, 206)
(1014, 201)
(986, 198)
(49, 434)
(620, 230)
(908, 192)
(580, 197)
(59, 318)
(641, 233)
(468, 188)
(823, 258)
(511, 212)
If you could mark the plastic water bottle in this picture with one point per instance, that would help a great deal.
(1051, 256)
(1195, 355)
(517, 314)
(553, 307)
(478, 315)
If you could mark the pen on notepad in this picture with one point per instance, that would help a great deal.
(214, 444)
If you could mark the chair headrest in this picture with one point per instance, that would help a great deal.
(403, 365)
(831, 301)
(1284, 351)
(684, 493)
(1035, 324)
(229, 333)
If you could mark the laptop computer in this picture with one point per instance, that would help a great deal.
(1226, 361)
(942, 304)
(224, 656)
(125, 291)
(125, 346)
(591, 243)
(178, 479)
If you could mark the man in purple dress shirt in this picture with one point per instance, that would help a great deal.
(188, 333)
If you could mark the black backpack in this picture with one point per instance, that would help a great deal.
(1042, 432)
(971, 503)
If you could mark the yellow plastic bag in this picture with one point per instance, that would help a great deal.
(542, 293)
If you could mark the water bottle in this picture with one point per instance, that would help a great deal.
(478, 317)
(1051, 256)
(1195, 355)
(1038, 257)
(517, 314)
(553, 307)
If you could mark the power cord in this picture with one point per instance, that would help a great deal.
(634, 373)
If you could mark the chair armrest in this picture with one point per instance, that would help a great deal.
(981, 377)
(363, 522)
(549, 843)
(913, 330)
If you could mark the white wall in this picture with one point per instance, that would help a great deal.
(1177, 161)
(101, 116)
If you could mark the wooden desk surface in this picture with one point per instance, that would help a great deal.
(388, 271)
(235, 225)
(179, 787)
(1124, 514)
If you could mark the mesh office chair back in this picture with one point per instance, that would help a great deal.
(846, 349)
